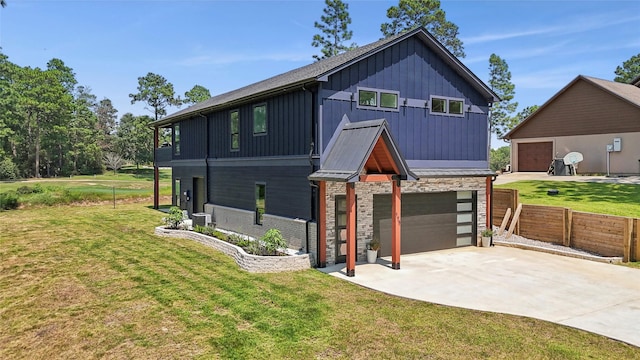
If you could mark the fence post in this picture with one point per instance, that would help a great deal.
(628, 233)
(568, 223)
(516, 203)
(637, 241)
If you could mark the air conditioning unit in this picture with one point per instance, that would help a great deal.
(201, 219)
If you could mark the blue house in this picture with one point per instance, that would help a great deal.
(388, 141)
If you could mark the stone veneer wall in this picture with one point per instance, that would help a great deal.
(365, 192)
(251, 263)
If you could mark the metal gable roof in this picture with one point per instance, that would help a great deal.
(320, 70)
(352, 148)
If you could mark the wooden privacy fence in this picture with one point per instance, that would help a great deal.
(606, 235)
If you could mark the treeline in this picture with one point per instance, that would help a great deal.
(50, 126)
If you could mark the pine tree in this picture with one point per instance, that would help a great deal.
(334, 26)
(629, 70)
(500, 119)
(410, 14)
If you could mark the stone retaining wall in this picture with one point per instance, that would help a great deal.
(248, 262)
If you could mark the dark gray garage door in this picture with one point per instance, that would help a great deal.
(430, 221)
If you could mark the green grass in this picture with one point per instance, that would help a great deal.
(600, 198)
(128, 184)
(88, 282)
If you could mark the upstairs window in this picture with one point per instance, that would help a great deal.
(260, 119)
(375, 99)
(235, 129)
(176, 139)
(367, 98)
(447, 106)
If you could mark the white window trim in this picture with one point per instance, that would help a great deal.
(447, 99)
(378, 97)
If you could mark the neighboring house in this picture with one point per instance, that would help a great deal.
(585, 116)
(335, 153)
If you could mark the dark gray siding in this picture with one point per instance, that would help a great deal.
(288, 128)
(186, 173)
(417, 73)
(288, 192)
(192, 139)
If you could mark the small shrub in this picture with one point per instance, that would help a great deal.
(9, 200)
(174, 219)
(26, 190)
(273, 241)
(206, 230)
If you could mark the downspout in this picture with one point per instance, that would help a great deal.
(493, 178)
(315, 205)
(156, 172)
(206, 160)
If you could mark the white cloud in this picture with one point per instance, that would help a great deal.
(576, 24)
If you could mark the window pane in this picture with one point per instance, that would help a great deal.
(464, 194)
(455, 106)
(464, 207)
(260, 202)
(462, 241)
(235, 130)
(464, 218)
(260, 119)
(438, 105)
(464, 229)
(176, 139)
(178, 191)
(367, 98)
(388, 100)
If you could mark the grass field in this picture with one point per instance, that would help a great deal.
(129, 183)
(600, 198)
(92, 281)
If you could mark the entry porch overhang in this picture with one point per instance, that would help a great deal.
(362, 152)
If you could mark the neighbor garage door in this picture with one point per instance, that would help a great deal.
(535, 156)
(430, 221)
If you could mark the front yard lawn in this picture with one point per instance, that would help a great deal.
(600, 198)
(92, 281)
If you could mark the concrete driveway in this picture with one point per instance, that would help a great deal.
(597, 297)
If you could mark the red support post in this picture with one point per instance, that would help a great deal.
(322, 224)
(396, 217)
(351, 229)
(156, 172)
(488, 184)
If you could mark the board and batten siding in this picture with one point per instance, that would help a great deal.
(417, 73)
(288, 192)
(288, 128)
(192, 139)
(583, 109)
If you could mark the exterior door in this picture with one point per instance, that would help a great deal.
(341, 229)
(198, 194)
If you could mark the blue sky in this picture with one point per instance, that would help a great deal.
(224, 45)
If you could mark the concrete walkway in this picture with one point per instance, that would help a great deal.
(600, 298)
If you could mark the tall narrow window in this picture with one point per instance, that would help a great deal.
(235, 130)
(260, 202)
(176, 139)
(260, 119)
(177, 191)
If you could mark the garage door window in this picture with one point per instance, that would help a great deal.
(465, 217)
